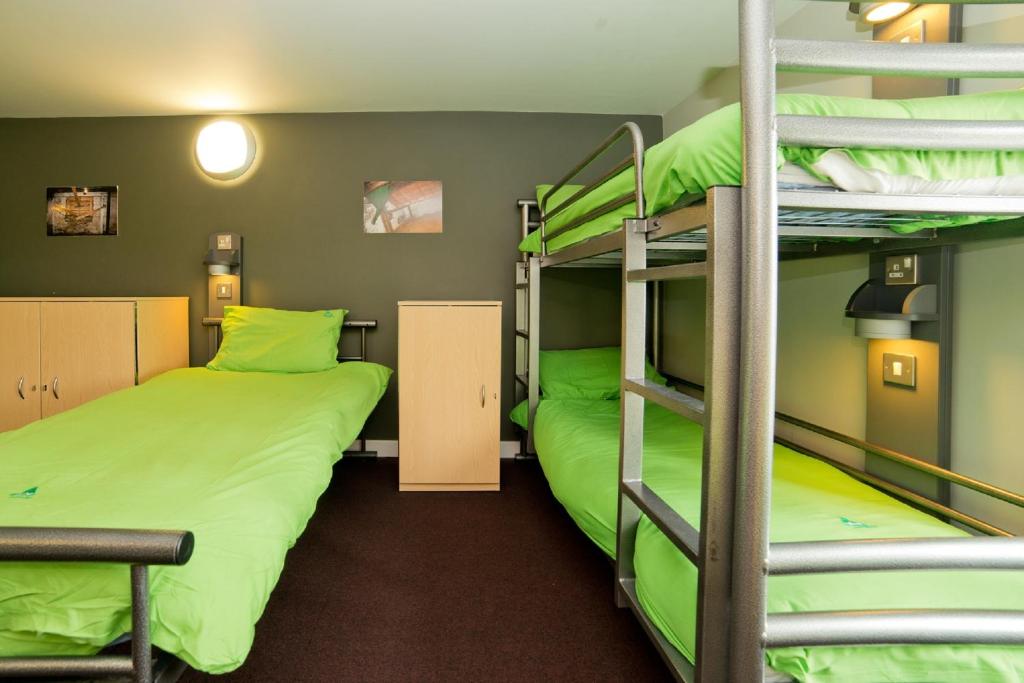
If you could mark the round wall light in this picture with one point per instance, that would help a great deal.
(880, 12)
(225, 149)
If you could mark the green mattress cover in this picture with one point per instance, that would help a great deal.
(239, 459)
(577, 443)
(708, 153)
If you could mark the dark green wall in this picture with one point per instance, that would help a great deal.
(299, 211)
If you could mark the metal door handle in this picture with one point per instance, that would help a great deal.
(483, 395)
(56, 387)
(21, 388)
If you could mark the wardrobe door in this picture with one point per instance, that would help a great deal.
(88, 349)
(19, 363)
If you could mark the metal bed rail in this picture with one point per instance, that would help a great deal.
(139, 548)
(634, 160)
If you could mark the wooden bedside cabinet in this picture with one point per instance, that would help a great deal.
(449, 384)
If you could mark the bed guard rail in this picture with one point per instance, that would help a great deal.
(634, 160)
(139, 548)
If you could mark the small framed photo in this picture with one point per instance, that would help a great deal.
(81, 211)
(402, 206)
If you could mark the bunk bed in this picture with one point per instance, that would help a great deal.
(732, 233)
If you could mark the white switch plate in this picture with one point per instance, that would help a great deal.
(224, 290)
(224, 242)
(899, 369)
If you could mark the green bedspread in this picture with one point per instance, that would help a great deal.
(577, 443)
(239, 459)
(708, 153)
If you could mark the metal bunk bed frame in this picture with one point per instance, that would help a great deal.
(738, 232)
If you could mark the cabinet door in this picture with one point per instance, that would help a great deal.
(449, 368)
(88, 350)
(19, 364)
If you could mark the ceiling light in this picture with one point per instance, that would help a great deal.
(879, 12)
(225, 149)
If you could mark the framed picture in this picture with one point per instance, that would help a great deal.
(81, 211)
(402, 206)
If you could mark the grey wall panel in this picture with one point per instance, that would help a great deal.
(300, 212)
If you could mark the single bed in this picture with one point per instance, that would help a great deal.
(682, 168)
(238, 458)
(577, 443)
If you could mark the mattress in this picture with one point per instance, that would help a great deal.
(708, 153)
(239, 459)
(577, 444)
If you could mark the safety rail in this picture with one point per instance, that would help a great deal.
(139, 548)
(635, 161)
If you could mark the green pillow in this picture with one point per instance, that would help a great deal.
(585, 373)
(269, 340)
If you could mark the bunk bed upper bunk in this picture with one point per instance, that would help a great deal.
(825, 193)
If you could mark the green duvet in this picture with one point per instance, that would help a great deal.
(577, 443)
(239, 459)
(709, 153)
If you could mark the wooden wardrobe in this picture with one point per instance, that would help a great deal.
(449, 388)
(57, 353)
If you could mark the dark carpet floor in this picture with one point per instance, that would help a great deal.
(385, 586)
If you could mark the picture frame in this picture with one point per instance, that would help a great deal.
(403, 206)
(82, 211)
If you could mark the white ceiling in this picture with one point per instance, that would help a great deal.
(150, 57)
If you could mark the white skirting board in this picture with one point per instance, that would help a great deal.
(388, 448)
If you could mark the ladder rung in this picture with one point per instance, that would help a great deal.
(523, 379)
(667, 397)
(522, 285)
(671, 523)
(949, 60)
(844, 131)
(522, 333)
(891, 627)
(679, 271)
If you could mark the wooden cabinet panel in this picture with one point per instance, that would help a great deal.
(88, 350)
(449, 370)
(162, 336)
(19, 364)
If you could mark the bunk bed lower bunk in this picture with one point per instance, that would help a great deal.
(686, 209)
(577, 443)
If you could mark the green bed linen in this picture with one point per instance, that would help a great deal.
(577, 443)
(708, 153)
(239, 459)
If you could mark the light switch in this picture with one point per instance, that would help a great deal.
(899, 369)
(224, 241)
(224, 290)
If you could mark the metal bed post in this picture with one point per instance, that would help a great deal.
(758, 321)
(633, 350)
(532, 347)
(718, 469)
